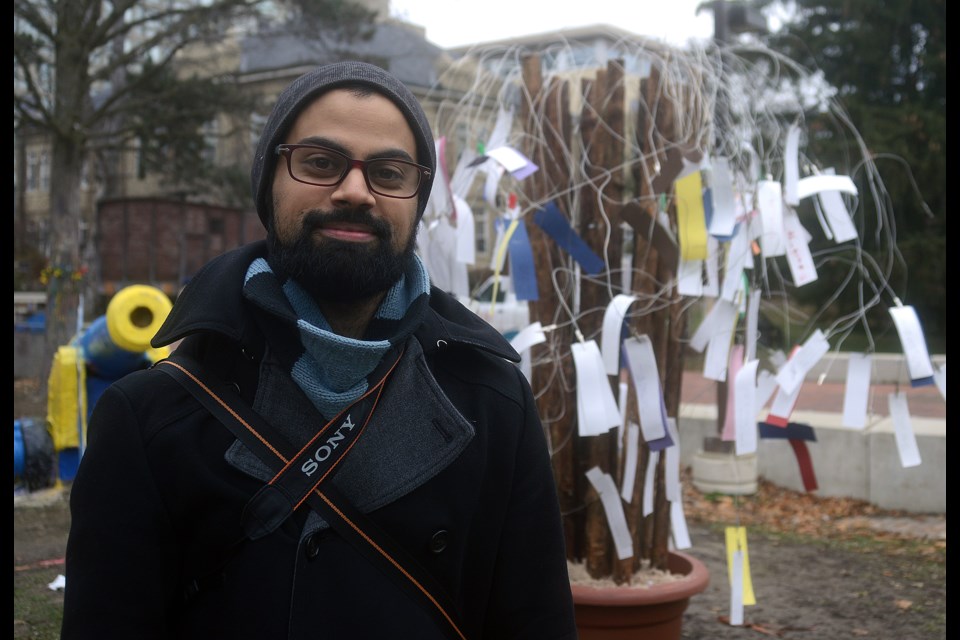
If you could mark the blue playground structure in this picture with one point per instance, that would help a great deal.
(113, 345)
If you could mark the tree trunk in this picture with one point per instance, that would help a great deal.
(66, 168)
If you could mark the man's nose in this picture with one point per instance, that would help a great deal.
(353, 188)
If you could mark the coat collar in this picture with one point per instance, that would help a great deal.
(213, 301)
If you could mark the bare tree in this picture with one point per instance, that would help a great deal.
(95, 75)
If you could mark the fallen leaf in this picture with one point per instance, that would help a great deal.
(762, 629)
(784, 510)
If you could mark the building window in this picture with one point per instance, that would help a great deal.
(210, 139)
(33, 170)
(141, 159)
(44, 170)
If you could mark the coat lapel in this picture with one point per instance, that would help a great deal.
(414, 433)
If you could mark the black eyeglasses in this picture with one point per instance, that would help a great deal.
(323, 167)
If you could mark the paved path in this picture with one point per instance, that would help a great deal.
(923, 402)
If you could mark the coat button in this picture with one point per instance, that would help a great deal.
(312, 545)
(439, 540)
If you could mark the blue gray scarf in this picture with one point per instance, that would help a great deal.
(331, 369)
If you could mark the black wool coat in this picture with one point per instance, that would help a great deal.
(453, 466)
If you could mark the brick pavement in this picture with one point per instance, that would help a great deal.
(923, 401)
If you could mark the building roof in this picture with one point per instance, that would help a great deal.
(399, 48)
(543, 39)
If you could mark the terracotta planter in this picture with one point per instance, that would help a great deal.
(655, 613)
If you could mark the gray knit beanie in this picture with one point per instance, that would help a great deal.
(305, 89)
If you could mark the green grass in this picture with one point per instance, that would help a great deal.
(37, 610)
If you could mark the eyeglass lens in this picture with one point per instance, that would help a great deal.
(326, 167)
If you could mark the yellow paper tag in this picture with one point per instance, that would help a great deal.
(499, 261)
(691, 218)
(736, 538)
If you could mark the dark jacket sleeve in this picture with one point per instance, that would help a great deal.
(531, 597)
(120, 560)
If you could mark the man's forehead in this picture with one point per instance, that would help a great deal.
(343, 114)
(349, 97)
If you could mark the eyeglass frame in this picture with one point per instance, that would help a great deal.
(286, 150)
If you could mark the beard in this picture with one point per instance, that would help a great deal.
(339, 271)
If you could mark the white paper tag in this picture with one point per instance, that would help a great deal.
(716, 331)
(630, 462)
(940, 377)
(597, 410)
(613, 508)
(738, 254)
(913, 342)
(612, 329)
(838, 219)
(857, 390)
(511, 159)
(766, 385)
(724, 216)
(717, 356)
(648, 482)
(711, 286)
(783, 403)
(646, 384)
(527, 337)
(792, 374)
(791, 166)
(799, 259)
(770, 206)
(736, 589)
(815, 184)
(745, 417)
(690, 278)
(903, 430)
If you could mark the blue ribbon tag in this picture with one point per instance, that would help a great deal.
(522, 270)
(555, 225)
(793, 431)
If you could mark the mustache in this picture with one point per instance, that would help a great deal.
(316, 218)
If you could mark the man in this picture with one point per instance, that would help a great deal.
(440, 520)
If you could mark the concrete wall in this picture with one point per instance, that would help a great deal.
(848, 463)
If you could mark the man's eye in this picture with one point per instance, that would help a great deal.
(387, 173)
(319, 163)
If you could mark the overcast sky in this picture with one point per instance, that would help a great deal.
(452, 23)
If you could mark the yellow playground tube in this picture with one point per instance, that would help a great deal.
(115, 344)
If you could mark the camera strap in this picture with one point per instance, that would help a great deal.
(292, 485)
